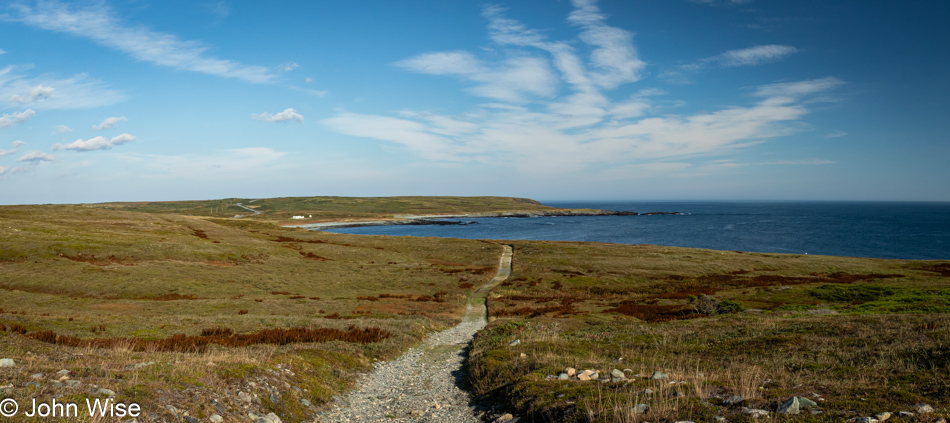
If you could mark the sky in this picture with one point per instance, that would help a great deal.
(139, 100)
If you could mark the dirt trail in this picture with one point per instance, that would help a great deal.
(423, 384)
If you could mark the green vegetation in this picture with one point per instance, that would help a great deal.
(332, 208)
(99, 276)
(863, 335)
(123, 280)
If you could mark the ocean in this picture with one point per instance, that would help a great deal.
(918, 231)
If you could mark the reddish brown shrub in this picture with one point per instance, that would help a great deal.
(311, 256)
(242, 311)
(653, 313)
(217, 332)
(368, 298)
(184, 343)
(466, 285)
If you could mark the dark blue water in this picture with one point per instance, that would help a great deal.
(881, 230)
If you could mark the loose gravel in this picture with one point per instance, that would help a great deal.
(424, 384)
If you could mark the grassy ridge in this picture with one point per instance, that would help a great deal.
(863, 335)
(332, 208)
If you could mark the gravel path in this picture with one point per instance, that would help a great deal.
(423, 384)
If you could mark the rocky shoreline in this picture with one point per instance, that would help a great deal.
(437, 219)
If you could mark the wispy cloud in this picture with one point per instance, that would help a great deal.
(2, 51)
(752, 56)
(16, 147)
(289, 67)
(802, 162)
(61, 129)
(98, 24)
(38, 93)
(539, 129)
(836, 134)
(286, 115)
(755, 55)
(36, 157)
(11, 119)
(109, 122)
(51, 92)
(97, 143)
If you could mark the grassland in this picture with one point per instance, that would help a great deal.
(172, 309)
(859, 336)
(133, 280)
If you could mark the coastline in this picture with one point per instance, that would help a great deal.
(432, 219)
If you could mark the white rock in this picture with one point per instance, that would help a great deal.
(882, 416)
(7, 362)
(923, 408)
(216, 418)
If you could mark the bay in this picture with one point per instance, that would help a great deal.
(856, 229)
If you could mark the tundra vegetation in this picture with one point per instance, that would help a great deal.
(857, 336)
(164, 306)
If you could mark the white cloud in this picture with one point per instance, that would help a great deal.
(289, 67)
(2, 51)
(755, 55)
(109, 122)
(97, 143)
(532, 127)
(308, 80)
(39, 93)
(61, 129)
(836, 134)
(11, 119)
(614, 54)
(287, 114)
(50, 92)
(16, 147)
(98, 24)
(36, 157)
(803, 162)
(798, 88)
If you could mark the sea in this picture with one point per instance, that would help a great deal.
(894, 230)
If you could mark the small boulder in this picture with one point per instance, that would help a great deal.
(640, 409)
(218, 407)
(882, 416)
(659, 375)
(617, 375)
(103, 391)
(755, 412)
(583, 376)
(305, 402)
(7, 362)
(923, 408)
(570, 371)
(648, 391)
(36, 376)
(719, 419)
(504, 418)
(244, 396)
(216, 418)
(190, 419)
(516, 342)
(563, 376)
(734, 400)
(905, 414)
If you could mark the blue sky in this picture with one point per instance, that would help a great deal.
(554, 100)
